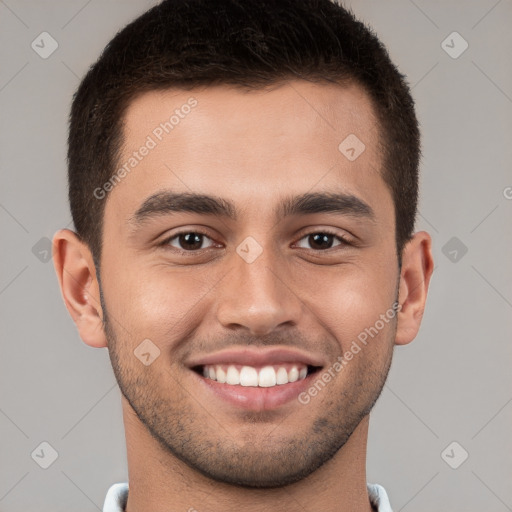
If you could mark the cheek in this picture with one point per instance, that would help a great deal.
(349, 301)
(155, 302)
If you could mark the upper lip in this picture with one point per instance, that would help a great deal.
(256, 357)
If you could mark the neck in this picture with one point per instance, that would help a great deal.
(159, 482)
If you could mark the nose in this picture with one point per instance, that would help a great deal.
(258, 297)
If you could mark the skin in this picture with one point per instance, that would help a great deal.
(186, 448)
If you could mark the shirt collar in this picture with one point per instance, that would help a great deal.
(117, 496)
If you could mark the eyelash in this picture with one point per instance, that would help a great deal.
(166, 243)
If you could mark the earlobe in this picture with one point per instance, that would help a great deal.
(417, 268)
(79, 286)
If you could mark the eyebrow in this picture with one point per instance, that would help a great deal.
(168, 202)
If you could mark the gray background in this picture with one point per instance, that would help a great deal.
(451, 384)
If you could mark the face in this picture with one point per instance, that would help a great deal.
(281, 256)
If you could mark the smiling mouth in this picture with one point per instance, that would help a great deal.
(266, 376)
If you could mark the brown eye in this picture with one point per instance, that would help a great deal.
(322, 240)
(188, 241)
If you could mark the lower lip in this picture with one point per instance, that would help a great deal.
(256, 398)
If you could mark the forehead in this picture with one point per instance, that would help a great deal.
(249, 145)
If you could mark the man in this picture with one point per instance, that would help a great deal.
(243, 181)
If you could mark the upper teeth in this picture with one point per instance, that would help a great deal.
(265, 377)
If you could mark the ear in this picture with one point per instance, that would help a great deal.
(79, 286)
(417, 268)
